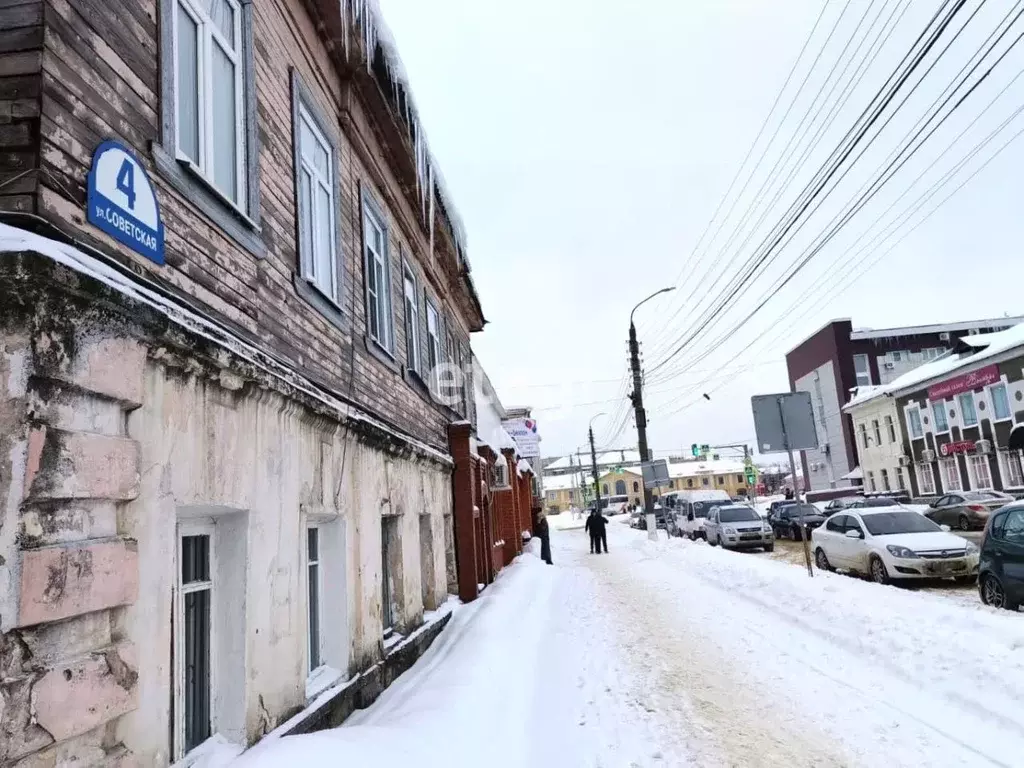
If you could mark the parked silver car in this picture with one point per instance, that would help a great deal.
(737, 526)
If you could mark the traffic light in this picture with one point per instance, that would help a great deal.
(705, 449)
(695, 450)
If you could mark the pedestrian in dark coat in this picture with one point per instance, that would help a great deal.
(598, 535)
(544, 534)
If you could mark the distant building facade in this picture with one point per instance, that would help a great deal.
(837, 358)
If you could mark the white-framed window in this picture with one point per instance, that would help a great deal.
(1000, 403)
(877, 430)
(925, 479)
(950, 471)
(863, 434)
(901, 480)
(412, 319)
(316, 177)
(195, 610)
(209, 92)
(890, 427)
(941, 424)
(871, 481)
(968, 416)
(914, 422)
(980, 473)
(932, 353)
(1011, 468)
(314, 597)
(862, 370)
(433, 345)
(885, 480)
(378, 279)
(499, 475)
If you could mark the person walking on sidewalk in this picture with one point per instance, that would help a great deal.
(598, 535)
(543, 532)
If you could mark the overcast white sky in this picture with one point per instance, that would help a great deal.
(587, 144)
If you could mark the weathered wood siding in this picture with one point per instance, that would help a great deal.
(101, 79)
(21, 53)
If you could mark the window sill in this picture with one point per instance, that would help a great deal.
(320, 679)
(222, 212)
(321, 303)
(374, 348)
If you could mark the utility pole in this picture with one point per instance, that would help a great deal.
(641, 427)
(593, 465)
(641, 415)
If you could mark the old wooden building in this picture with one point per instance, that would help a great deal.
(235, 312)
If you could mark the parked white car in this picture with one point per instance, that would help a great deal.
(738, 526)
(891, 544)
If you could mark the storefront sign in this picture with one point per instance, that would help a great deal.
(122, 203)
(966, 383)
(964, 446)
(524, 432)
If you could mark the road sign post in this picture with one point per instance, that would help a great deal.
(785, 422)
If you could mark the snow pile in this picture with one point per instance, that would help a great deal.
(895, 676)
(464, 703)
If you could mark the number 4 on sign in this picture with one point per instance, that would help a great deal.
(126, 182)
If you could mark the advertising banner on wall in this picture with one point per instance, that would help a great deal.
(965, 383)
(524, 432)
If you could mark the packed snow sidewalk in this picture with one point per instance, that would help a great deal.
(521, 677)
(672, 653)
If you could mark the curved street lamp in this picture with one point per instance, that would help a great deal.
(640, 414)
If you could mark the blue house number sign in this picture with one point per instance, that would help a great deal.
(122, 202)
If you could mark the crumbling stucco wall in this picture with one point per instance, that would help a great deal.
(206, 448)
(109, 438)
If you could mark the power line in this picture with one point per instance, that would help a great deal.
(908, 150)
(785, 230)
(764, 151)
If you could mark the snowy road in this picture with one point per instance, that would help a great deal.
(676, 654)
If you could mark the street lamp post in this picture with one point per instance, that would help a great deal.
(593, 461)
(641, 414)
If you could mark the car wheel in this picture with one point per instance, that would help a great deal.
(769, 547)
(879, 574)
(821, 560)
(992, 592)
(796, 533)
(964, 523)
(712, 543)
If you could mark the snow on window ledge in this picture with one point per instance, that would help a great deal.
(320, 679)
(391, 641)
(215, 752)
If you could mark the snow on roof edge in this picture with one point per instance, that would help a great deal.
(14, 240)
(366, 14)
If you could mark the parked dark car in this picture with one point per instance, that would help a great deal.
(966, 510)
(773, 509)
(1001, 563)
(843, 502)
(661, 518)
(786, 524)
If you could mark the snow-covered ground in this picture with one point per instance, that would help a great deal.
(674, 653)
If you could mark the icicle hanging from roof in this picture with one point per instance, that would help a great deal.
(374, 31)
